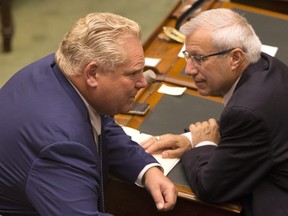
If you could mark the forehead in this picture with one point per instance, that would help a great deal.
(133, 52)
(198, 40)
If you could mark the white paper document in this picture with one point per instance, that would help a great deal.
(171, 90)
(166, 163)
(270, 50)
(152, 62)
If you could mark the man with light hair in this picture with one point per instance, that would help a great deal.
(58, 141)
(244, 155)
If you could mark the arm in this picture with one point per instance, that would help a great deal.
(161, 188)
(64, 180)
(171, 145)
(127, 160)
(205, 133)
(236, 165)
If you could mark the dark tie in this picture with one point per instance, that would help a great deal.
(101, 200)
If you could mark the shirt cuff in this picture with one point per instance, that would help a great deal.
(139, 181)
(204, 143)
(189, 136)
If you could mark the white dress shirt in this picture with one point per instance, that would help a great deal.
(226, 98)
(96, 124)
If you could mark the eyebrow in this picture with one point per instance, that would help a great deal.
(133, 71)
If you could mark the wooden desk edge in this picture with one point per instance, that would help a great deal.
(186, 193)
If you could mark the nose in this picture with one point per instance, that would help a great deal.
(141, 83)
(191, 68)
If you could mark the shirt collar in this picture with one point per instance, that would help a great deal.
(95, 118)
(228, 95)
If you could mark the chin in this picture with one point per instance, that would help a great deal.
(131, 104)
(203, 93)
(207, 92)
(129, 108)
(126, 108)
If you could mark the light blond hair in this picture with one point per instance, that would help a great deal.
(95, 37)
(228, 30)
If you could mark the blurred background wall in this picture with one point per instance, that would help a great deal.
(39, 25)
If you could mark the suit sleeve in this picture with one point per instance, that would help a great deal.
(64, 181)
(231, 170)
(126, 157)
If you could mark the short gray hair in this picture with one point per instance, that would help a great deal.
(228, 30)
(95, 37)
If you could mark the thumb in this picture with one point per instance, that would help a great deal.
(158, 199)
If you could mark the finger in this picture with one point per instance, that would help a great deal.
(158, 198)
(212, 121)
(157, 138)
(145, 144)
(166, 199)
(147, 140)
(192, 127)
(170, 200)
(205, 124)
(173, 153)
(157, 146)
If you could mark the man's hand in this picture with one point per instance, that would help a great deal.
(162, 190)
(172, 146)
(205, 131)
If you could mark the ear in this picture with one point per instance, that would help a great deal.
(90, 74)
(237, 58)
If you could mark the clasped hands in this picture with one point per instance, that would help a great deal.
(174, 146)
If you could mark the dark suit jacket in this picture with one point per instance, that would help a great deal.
(49, 160)
(251, 161)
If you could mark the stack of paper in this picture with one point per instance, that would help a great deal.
(166, 163)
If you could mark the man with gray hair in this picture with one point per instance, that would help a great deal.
(57, 140)
(243, 156)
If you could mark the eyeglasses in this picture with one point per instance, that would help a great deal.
(198, 60)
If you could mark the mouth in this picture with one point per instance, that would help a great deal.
(132, 98)
(133, 95)
(200, 83)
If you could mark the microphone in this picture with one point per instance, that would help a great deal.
(149, 76)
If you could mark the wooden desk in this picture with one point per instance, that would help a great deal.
(123, 199)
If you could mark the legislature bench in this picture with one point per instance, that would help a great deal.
(170, 114)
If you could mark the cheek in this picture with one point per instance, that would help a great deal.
(221, 84)
(123, 92)
(215, 76)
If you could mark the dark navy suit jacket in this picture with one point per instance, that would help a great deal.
(250, 163)
(49, 160)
